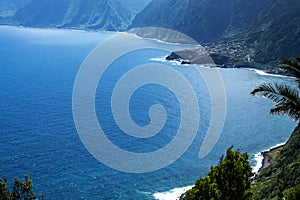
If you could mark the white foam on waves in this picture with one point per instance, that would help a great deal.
(164, 60)
(259, 158)
(262, 73)
(173, 194)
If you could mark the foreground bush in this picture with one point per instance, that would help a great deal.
(229, 180)
(20, 191)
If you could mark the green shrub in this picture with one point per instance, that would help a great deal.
(229, 180)
(22, 190)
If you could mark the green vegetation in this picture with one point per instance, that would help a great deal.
(20, 191)
(293, 193)
(269, 29)
(275, 34)
(205, 20)
(229, 180)
(281, 180)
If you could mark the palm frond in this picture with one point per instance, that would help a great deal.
(292, 66)
(285, 98)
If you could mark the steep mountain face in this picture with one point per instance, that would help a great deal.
(276, 34)
(270, 27)
(203, 20)
(9, 7)
(136, 5)
(243, 15)
(97, 14)
(109, 15)
(42, 13)
(275, 181)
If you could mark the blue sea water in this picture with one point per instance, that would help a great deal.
(38, 134)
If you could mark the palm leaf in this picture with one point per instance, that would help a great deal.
(285, 98)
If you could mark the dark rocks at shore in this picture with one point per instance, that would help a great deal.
(198, 57)
(269, 156)
(174, 56)
(182, 196)
(184, 62)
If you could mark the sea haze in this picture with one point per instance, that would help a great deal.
(38, 135)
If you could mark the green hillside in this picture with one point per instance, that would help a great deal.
(270, 28)
(276, 34)
(275, 181)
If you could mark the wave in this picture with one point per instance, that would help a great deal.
(259, 162)
(262, 73)
(165, 42)
(159, 59)
(173, 194)
(164, 60)
(258, 157)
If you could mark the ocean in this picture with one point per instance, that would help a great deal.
(38, 134)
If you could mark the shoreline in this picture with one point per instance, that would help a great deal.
(177, 61)
(173, 194)
(263, 159)
(59, 29)
(214, 60)
(268, 156)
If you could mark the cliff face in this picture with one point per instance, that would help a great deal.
(9, 7)
(109, 15)
(276, 33)
(271, 28)
(283, 174)
(203, 20)
(134, 5)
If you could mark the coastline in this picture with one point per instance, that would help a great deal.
(174, 194)
(268, 156)
(264, 73)
(175, 60)
(200, 56)
(263, 159)
(58, 28)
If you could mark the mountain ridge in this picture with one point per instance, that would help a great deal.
(203, 20)
(79, 14)
(270, 28)
(9, 7)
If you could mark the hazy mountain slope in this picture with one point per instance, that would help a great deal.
(243, 15)
(103, 14)
(270, 27)
(203, 20)
(42, 13)
(9, 7)
(136, 5)
(82, 14)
